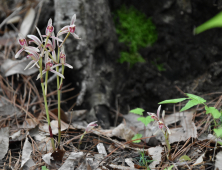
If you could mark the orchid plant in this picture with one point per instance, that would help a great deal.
(46, 46)
(162, 126)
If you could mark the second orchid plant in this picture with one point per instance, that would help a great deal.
(45, 49)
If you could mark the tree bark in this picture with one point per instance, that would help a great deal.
(94, 56)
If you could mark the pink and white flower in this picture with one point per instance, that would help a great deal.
(69, 28)
(156, 117)
(90, 126)
(49, 67)
(22, 41)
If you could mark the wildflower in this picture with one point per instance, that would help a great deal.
(90, 126)
(49, 29)
(160, 123)
(49, 67)
(69, 29)
(35, 39)
(35, 58)
(63, 58)
(22, 41)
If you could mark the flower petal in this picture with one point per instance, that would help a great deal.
(39, 33)
(29, 64)
(68, 65)
(36, 63)
(36, 55)
(57, 73)
(19, 52)
(35, 39)
(63, 31)
(33, 49)
(158, 111)
(73, 20)
(56, 65)
(76, 36)
(54, 56)
(43, 72)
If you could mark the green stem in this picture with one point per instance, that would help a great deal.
(47, 115)
(44, 96)
(166, 135)
(58, 96)
(59, 86)
(67, 35)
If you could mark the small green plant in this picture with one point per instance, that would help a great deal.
(143, 160)
(44, 168)
(144, 120)
(169, 168)
(194, 100)
(136, 31)
(159, 66)
(150, 118)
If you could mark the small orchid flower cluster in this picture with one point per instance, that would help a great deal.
(89, 127)
(162, 126)
(161, 123)
(45, 47)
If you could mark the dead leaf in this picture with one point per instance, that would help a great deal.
(72, 161)
(10, 67)
(27, 22)
(101, 149)
(123, 131)
(26, 151)
(54, 126)
(218, 162)
(29, 124)
(199, 160)
(4, 141)
(27, 166)
(14, 20)
(76, 115)
(155, 153)
(47, 158)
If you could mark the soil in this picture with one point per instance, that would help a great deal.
(191, 62)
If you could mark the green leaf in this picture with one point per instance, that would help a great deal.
(169, 168)
(216, 114)
(219, 143)
(216, 21)
(218, 132)
(189, 104)
(145, 120)
(137, 136)
(137, 111)
(44, 168)
(194, 97)
(173, 101)
(184, 158)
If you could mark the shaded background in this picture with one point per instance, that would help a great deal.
(191, 63)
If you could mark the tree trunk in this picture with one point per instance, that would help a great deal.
(94, 56)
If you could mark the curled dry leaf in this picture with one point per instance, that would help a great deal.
(10, 67)
(101, 149)
(123, 131)
(27, 22)
(155, 153)
(26, 151)
(4, 138)
(218, 162)
(72, 161)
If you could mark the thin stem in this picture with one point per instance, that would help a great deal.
(44, 96)
(47, 115)
(58, 96)
(67, 35)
